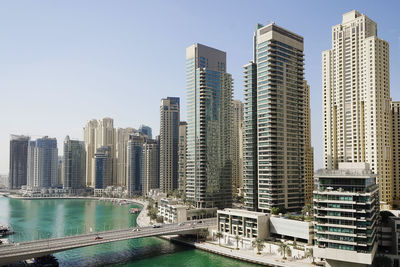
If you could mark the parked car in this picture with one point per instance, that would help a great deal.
(156, 226)
(180, 224)
(98, 238)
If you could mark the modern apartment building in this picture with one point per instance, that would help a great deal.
(134, 175)
(346, 209)
(103, 167)
(74, 165)
(121, 141)
(237, 144)
(356, 100)
(182, 146)
(18, 161)
(396, 152)
(146, 130)
(209, 108)
(89, 137)
(308, 149)
(43, 163)
(274, 143)
(150, 162)
(169, 139)
(99, 133)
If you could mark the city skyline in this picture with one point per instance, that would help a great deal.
(69, 70)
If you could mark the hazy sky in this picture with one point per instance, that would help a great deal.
(65, 62)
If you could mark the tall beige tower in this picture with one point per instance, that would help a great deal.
(356, 100)
(105, 136)
(121, 142)
(237, 141)
(150, 163)
(89, 137)
(396, 153)
(308, 149)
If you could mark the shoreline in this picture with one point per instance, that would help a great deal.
(143, 220)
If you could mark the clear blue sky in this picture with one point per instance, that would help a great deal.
(65, 62)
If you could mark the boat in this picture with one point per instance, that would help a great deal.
(5, 230)
(133, 210)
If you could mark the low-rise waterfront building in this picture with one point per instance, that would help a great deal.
(346, 208)
(174, 212)
(297, 230)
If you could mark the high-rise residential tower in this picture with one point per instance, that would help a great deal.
(169, 138)
(396, 152)
(18, 161)
(182, 157)
(103, 167)
(89, 135)
(122, 138)
(146, 130)
(237, 144)
(74, 165)
(43, 163)
(356, 100)
(274, 119)
(209, 108)
(134, 172)
(308, 149)
(150, 162)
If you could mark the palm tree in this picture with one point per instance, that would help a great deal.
(284, 249)
(219, 235)
(259, 244)
(310, 254)
(237, 238)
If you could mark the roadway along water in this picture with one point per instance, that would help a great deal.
(32, 219)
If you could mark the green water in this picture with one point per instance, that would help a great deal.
(33, 219)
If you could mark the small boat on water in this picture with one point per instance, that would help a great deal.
(133, 210)
(5, 230)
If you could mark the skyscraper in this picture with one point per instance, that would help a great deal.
(99, 133)
(150, 162)
(182, 156)
(209, 108)
(169, 138)
(308, 149)
(356, 100)
(89, 133)
(74, 165)
(274, 121)
(43, 163)
(146, 130)
(134, 174)
(18, 161)
(250, 156)
(122, 138)
(237, 143)
(396, 153)
(103, 167)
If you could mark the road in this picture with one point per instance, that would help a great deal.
(26, 250)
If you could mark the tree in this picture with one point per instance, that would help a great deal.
(284, 249)
(307, 210)
(160, 219)
(219, 235)
(310, 254)
(237, 238)
(382, 261)
(274, 211)
(259, 244)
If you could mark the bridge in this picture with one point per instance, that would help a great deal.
(26, 250)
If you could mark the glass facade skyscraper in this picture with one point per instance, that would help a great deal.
(18, 161)
(274, 121)
(74, 164)
(209, 106)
